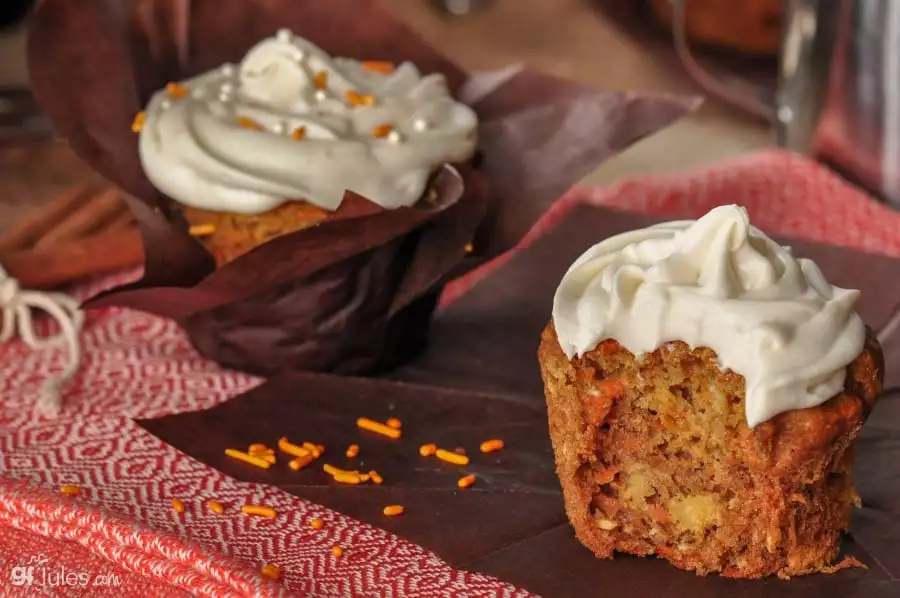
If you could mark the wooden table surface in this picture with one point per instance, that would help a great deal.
(568, 38)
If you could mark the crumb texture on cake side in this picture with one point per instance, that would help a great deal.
(655, 457)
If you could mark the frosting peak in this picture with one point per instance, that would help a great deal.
(720, 283)
(290, 122)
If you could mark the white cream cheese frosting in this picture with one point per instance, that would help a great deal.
(717, 282)
(291, 122)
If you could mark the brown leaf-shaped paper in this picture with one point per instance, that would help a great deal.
(352, 295)
(479, 379)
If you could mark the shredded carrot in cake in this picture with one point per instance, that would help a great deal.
(70, 489)
(260, 510)
(382, 130)
(379, 66)
(317, 523)
(352, 451)
(138, 123)
(294, 450)
(177, 505)
(392, 510)
(466, 481)
(201, 230)
(379, 428)
(176, 90)
(215, 506)
(489, 446)
(271, 571)
(375, 477)
(321, 80)
(394, 423)
(247, 458)
(299, 133)
(455, 458)
(427, 450)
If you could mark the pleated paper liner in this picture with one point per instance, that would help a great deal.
(350, 296)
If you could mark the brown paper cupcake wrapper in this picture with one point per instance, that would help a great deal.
(352, 295)
(479, 379)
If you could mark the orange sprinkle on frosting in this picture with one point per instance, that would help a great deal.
(379, 66)
(315, 449)
(376, 477)
(70, 490)
(202, 230)
(317, 523)
(466, 481)
(428, 450)
(294, 450)
(299, 133)
(321, 80)
(177, 506)
(215, 506)
(449, 457)
(337, 551)
(382, 130)
(176, 90)
(489, 446)
(469, 248)
(257, 448)
(138, 123)
(379, 428)
(300, 462)
(357, 99)
(259, 510)
(394, 423)
(249, 123)
(347, 478)
(393, 510)
(352, 451)
(271, 571)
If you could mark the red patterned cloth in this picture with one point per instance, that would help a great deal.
(121, 535)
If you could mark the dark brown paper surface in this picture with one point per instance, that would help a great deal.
(347, 296)
(479, 379)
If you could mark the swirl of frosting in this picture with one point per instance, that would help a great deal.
(717, 282)
(292, 123)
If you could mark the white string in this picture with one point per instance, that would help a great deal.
(17, 306)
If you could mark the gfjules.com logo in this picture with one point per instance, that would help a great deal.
(39, 572)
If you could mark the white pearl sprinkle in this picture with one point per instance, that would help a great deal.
(420, 124)
(321, 95)
(394, 137)
(165, 104)
(227, 69)
(226, 88)
(278, 128)
(284, 35)
(224, 98)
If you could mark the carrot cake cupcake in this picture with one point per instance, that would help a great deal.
(705, 389)
(269, 146)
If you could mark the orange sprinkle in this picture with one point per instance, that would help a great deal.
(215, 506)
(177, 505)
(321, 80)
(138, 123)
(394, 423)
(427, 450)
(247, 458)
(375, 477)
(347, 478)
(455, 458)
(489, 446)
(332, 470)
(261, 510)
(382, 130)
(70, 490)
(363, 477)
(249, 123)
(270, 459)
(469, 248)
(466, 481)
(317, 523)
(299, 133)
(201, 230)
(379, 428)
(354, 98)
(176, 90)
(257, 448)
(315, 449)
(271, 571)
(379, 66)
(352, 451)
(392, 510)
(337, 551)
(300, 462)
(294, 450)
